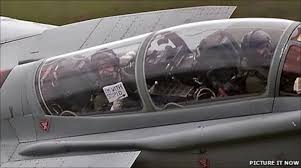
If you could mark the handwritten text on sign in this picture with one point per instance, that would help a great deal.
(115, 92)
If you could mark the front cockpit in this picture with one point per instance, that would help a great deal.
(101, 79)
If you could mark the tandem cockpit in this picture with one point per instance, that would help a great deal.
(181, 66)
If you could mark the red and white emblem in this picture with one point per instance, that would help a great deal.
(44, 125)
(204, 163)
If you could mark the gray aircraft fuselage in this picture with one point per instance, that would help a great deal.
(221, 131)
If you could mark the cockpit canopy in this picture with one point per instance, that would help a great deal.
(183, 65)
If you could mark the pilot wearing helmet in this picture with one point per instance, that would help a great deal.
(217, 58)
(256, 56)
(106, 67)
(106, 71)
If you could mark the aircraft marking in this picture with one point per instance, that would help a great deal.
(44, 125)
(204, 163)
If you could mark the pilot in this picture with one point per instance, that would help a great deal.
(217, 58)
(105, 68)
(108, 70)
(256, 54)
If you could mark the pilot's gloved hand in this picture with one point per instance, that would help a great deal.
(117, 105)
(297, 85)
(244, 63)
(127, 58)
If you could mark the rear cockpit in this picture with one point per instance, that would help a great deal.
(211, 60)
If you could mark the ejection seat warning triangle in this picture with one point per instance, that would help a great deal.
(115, 92)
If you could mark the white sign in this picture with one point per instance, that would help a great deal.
(115, 92)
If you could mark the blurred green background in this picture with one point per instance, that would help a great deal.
(59, 12)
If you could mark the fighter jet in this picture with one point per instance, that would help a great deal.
(175, 88)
